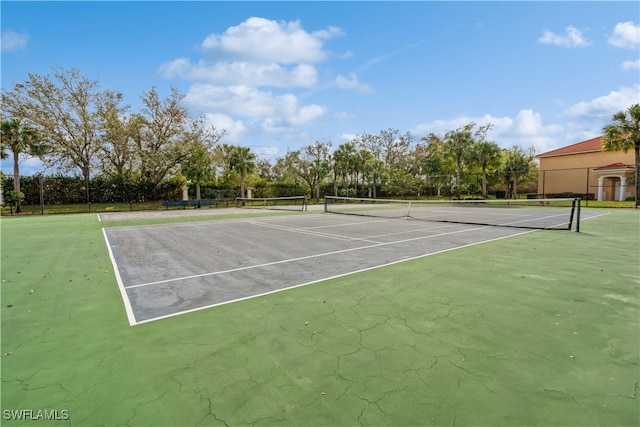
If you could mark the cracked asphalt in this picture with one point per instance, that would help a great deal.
(537, 329)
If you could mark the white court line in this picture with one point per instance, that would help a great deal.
(127, 304)
(284, 261)
(312, 233)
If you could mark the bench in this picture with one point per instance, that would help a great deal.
(203, 202)
(172, 203)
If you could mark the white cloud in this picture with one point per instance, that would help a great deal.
(12, 41)
(234, 129)
(631, 65)
(242, 73)
(244, 101)
(607, 105)
(572, 38)
(351, 83)
(526, 129)
(248, 75)
(264, 40)
(625, 35)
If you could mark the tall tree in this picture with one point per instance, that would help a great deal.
(624, 135)
(314, 164)
(457, 145)
(375, 172)
(160, 142)
(343, 160)
(434, 164)
(117, 152)
(487, 155)
(242, 160)
(200, 141)
(17, 139)
(222, 160)
(517, 164)
(198, 167)
(64, 108)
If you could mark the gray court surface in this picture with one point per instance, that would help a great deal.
(171, 269)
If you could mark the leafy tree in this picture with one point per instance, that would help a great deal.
(285, 169)
(222, 160)
(64, 107)
(392, 148)
(117, 152)
(199, 140)
(198, 167)
(400, 182)
(265, 170)
(487, 155)
(242, 160)
(516, 164)
(314, 164)
(433, 162)
(18, 139)
(375, 172)
(623, 135)
(457, 144)
(343, 164)
(161, 143)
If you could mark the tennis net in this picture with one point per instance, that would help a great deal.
(551, 214)
(295, 203)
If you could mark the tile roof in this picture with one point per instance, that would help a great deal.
(615, 166)
(588, 146)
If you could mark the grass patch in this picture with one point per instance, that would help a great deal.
(539, 329)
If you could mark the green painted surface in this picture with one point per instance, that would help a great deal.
(539, 329)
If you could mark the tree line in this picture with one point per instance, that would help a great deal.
(69, 122)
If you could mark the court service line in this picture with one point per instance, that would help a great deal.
(284, 261)
(312, 233)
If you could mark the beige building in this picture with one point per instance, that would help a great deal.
(585, 169)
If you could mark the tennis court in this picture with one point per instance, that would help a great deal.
(171, 269)
(535, 329)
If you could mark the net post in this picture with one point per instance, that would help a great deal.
(325, 204)
(575, 213)
(305, 203)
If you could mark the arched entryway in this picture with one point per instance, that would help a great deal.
(612, 182)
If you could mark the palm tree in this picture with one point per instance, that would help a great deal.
(242, 160)
(624, 135)
(487, 154)
(516, 163)
(457, 145)
(18, 139)
(198, 166)
(342, 163)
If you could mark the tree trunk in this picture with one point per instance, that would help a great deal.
(16, 180)
(484, 184)
(637, 152)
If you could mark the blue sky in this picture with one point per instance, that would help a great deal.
(281, 75)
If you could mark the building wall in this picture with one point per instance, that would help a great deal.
(575, 172)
